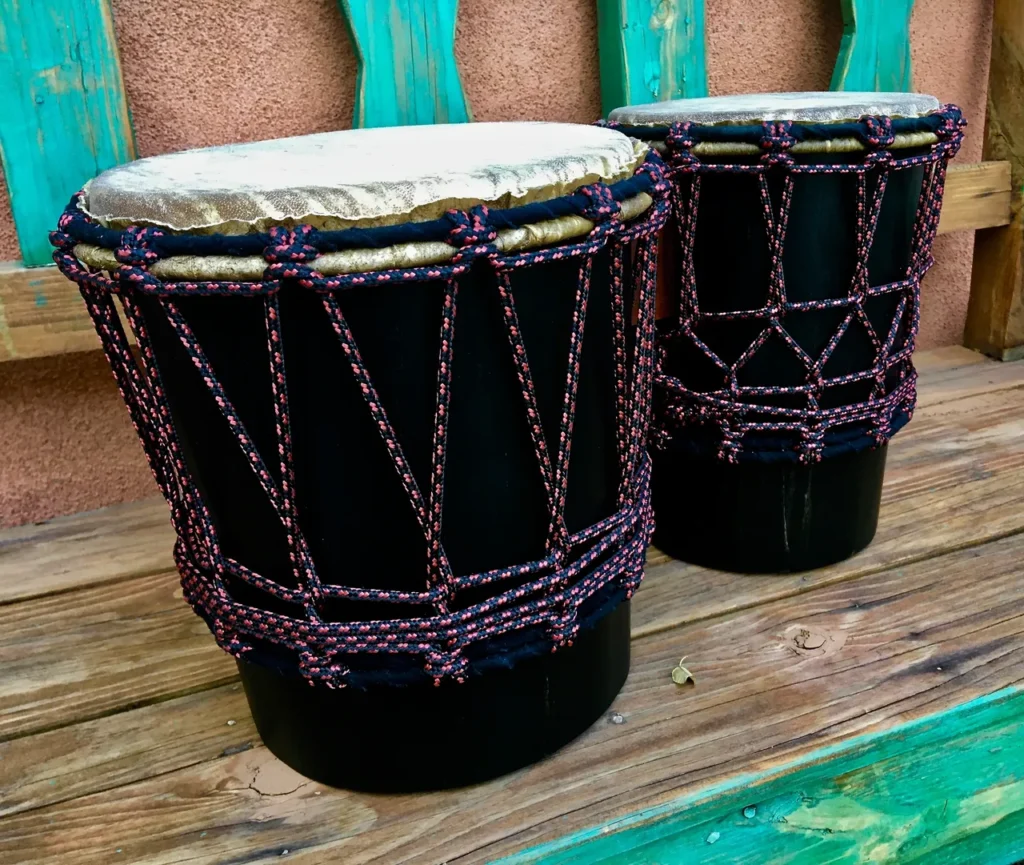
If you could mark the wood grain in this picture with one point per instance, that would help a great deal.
(995, 314)
(41, 314)
(874, 52)
(65, 117)
(83, 654)
(407, 71)
(107, 752)
(976, 196)
(889, 646)
(650, 51)
(894, 796)
(126, 540)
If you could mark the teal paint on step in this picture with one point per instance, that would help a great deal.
(406, 55)
(874, 53)
(944, 789)
(651, 51)
(64, 117)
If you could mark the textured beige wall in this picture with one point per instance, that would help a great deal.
(208, 73)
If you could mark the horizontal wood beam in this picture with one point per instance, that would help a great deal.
(995, 314)
(977, 196)
(41, 312)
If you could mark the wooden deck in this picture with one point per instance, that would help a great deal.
(870, 711)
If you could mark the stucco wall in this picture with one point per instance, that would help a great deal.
(213, 72)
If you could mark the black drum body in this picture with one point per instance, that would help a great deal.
(786, 335)
(415, 506)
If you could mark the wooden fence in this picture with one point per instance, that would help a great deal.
(65, 118)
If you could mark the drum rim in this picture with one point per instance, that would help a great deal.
(661, 113)
(848, 136)
(243, 258)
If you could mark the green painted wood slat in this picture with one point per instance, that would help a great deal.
(947, 788)
(651, 51)
(874, 53)
(64, 117)
(407, 74)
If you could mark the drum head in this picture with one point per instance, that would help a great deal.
(363, 177)
(810, 107)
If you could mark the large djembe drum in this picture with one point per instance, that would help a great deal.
(395, 385)
(788, 308)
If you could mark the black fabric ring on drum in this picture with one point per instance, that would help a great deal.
(545, 603)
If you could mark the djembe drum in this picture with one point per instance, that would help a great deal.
(394, 385)
(788, 308)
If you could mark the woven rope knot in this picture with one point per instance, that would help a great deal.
(878, 131)
(680, 143)
(470, 227)
(654, 168)
(134, 249)
(812, 443)
(680, 137)
(315, 669)
(290, 246)
(776, 142)
(951, 132)
(601, 204)
(60, 238)
(451, 664)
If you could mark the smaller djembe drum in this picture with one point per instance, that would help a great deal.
(788, 308)
(394, 384)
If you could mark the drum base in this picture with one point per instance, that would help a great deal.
(766, 517)
(422, 737)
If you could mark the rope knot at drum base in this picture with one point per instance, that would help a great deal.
(533, 607)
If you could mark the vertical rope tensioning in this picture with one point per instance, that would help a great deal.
(733, 411)
(604, 560)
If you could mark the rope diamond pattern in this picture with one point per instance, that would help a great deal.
(606, 557)
(738, 414)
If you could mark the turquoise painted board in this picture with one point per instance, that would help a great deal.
(943, 790)
(407, 69)
(63, 115)
(651, 50)
(874, 53)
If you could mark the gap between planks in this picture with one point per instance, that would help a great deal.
(892, 646)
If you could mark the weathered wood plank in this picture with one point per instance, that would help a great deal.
(83, 654)
(64, 118)
(650, 51)
(892, 796)
(874, 53)
(407, 72)
(41, 314)
(976, 196)
(774, 683)
(128, 540)
(995, 314)
(108, 752)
